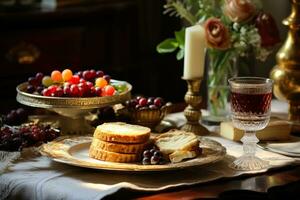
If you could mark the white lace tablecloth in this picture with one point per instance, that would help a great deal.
(35, 177)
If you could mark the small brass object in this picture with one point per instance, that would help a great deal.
(286, 74)
(192, 112)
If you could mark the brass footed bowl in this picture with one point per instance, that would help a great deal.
(146, 116)
(73, 110)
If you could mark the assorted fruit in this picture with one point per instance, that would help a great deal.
(153, 157)
(15, 135)
(15, 117)
(27, 135)
(140, 103)
(88, 83)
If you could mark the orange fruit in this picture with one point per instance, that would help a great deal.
(67, 74)
(100, 82)
(56, 76)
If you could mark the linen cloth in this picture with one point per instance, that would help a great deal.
(35, 177)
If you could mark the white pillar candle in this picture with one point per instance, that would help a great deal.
(194, 54)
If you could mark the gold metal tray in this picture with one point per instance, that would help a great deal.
(73, 110)
(40, 101)
(74, 151)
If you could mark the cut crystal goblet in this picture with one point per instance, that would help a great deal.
(250, 111)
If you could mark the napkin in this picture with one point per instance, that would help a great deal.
(290, 148)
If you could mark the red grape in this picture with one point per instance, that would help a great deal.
(98, 91)
(138, 98)
(46, 92)
(108, 90)
(74, 80)
(22, 114)
(52, 88)
(89, 84)
(133, 103)
(158, 102)
(74, 90)
(92, 91)
(93, 73)
(39, 76)
(99, 73)
(82, 92)
(82, 80)
(39, 89)
(30, 89)
(143, 101)
(107, 78)
(79, 74)
(16, 138)
(59, 92)
(82, 85)
(150, 101)
(33, 81)
(67, 91)
(87, 75)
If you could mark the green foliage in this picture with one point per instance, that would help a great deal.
(180, 54)
(167, 46)
(183, 9)
(172, 44)
(244, 36)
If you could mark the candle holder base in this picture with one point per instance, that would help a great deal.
(192, 112)
(198, 129)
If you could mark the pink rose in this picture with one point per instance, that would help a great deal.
(267, 29)
(239, 10)
(216, 34)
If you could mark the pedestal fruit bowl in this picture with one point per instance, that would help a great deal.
(72, 110)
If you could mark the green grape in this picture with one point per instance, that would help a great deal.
(47, 81)
(120, 87)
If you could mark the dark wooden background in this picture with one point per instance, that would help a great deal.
(117, 36)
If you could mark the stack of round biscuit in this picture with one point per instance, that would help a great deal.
(119, 142)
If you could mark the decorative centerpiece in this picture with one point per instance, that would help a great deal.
(286, 72)
(232, 29)
(193, 74)
(73, 96)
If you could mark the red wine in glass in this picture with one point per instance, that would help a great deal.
(250, 111)
(251, 103)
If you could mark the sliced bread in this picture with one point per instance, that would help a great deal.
(118, 147)
(113, 156)
(122, 133)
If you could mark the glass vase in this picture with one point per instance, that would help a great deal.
(222, 66)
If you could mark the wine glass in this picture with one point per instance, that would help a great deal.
(250, 111)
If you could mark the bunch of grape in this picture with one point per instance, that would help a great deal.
(153, 157)
(16, 138)
(140, 103)
(88, 83)
(15, 117)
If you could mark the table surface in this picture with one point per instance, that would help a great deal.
(257, 183)
(279, 179)
(283, 179)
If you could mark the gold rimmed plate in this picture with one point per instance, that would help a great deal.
(74, 151)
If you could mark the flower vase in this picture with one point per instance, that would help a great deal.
(222, 66)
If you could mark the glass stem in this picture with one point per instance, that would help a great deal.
(249, 143)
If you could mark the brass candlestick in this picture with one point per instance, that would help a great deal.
(192, 112)
(286, 74)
